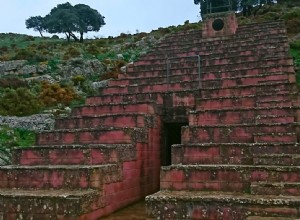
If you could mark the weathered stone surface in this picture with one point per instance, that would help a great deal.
(45, 77)
(100, 84)
(39, 122)
(13, 65)
(79, 66)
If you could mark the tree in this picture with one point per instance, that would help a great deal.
(68, 19)
(212, 6)
(89, 19)
(63, 19)
(37, 23)
(245, 6)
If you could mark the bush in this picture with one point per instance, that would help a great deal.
(293, 26)
(78, 80)
(92, 49)
(72, 52)
(295, 45)
(55, 37)
(12, 83)
(29, 55)
(54, 94)
(19, 102)
(109, 75)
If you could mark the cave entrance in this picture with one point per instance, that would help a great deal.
(172, 135)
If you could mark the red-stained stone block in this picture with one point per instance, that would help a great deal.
(67, 156)
(30, 157)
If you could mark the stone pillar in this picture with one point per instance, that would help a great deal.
(219, 25)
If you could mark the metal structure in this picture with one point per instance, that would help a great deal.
(213, 6)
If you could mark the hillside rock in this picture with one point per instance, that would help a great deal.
(37, 123)
(79, 66)
(11, 67)
(76, 66)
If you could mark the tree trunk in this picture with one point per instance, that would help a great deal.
(74, 36)
(41, 34)
(68, 37)
(81, 37)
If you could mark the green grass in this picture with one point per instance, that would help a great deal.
(10, 138)
(295, 53)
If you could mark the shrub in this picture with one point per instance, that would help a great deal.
(293, 25)
(71, 52)
(109, 75)
(54, 94)
(19, 102)
(295, 45)
(92, 49)
(53, 64)
(29, 38)
(12, 83)
(29, 55)
(78, 80)
(55, 37)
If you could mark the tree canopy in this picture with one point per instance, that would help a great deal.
(68, 19)
(36, 23)
(237, 5)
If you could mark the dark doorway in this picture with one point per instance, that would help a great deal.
(172, 135)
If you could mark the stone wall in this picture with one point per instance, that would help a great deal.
(76, 66)
(39, 122)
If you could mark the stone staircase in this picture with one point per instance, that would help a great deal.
(239, 154)
(238, 157)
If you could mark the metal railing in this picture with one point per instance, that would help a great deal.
(168, 62)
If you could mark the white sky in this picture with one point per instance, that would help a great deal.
(121, 16)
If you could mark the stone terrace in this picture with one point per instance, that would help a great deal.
(236, 154)
(239, 155)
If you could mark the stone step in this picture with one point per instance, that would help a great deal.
(225, 43)
(58, 176)
(114, 108)
(207, 92)
(178, 98)
(261, 89)
(242, 79)
(246, 101)
(240, 35)
(275, 137)
(153, 80)
(237, 49)
(255, 26)
(47, 204)
(91, 154)
(270, 218)
(169, 54)
(275, 119)
(160, 87)
(274, 103)
(226, 102)
(223, 177)
(220, 205)
(239, 133)
(207, 80)
(236, 153)
(105, 135)
(246, 71)
(235, 115)
(237, 64)
(292, 159)
(94, 121)
(276, 188)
